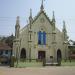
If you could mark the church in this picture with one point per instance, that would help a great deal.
(40, 38)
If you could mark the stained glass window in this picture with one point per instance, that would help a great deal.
(41, 38)
(44, 38)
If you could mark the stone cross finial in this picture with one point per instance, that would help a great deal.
(53, 17)
(64, 26)
(31, 12)
(64, 23)
(42, 2)
(42, 7)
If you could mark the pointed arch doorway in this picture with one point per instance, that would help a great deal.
(41, 55)
(59, 55)
(23, 53)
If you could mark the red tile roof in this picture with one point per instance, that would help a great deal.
(4, 46)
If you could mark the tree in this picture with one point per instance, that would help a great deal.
(74, 43)
(2, 39)
(71, 42)
(9, 40)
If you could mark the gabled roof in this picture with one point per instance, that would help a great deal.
(4, 46)
(21, 30)
(36, 17)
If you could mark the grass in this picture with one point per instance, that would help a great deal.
(33, 63)
(28, 64)
(68, 63)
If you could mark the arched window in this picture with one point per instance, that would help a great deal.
(41, 38)
(44, 38)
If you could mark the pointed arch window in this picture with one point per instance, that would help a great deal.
(44, 38)
(41, 38)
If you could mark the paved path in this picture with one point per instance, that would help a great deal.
(38, 71)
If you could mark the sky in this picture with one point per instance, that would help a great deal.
(10, 9)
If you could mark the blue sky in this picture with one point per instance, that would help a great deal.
(9, 9)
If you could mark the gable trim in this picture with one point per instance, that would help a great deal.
(36, 17)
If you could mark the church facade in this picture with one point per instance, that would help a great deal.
(40, 38)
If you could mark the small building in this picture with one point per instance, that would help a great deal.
(5, 50)
(72, 51)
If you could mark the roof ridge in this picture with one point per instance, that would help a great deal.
(39, 14)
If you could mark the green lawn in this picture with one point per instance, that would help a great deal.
(68, 63)
(28, 64)
(40, 64)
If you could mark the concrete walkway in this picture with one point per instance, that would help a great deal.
(38, 71)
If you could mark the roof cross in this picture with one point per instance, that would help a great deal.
(42, 7)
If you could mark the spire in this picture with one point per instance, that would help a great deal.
(65, 32)
(30, 17)
(63, 24)
(53, 21)
(42, 7)
(53, 18)
(17, 20)
(17, 27)
(31, 13)
(64, 27)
